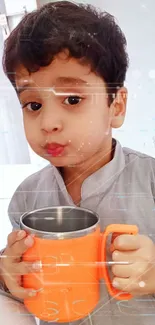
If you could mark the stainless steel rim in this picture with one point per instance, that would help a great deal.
(59, 235)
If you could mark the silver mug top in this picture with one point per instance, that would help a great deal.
(59, 222)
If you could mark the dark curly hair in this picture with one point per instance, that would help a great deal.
(91, 36)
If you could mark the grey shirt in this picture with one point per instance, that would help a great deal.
(120, 192)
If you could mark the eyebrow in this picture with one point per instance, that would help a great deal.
(20, 89)
(60, 81)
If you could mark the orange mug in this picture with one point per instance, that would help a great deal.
(72, 250)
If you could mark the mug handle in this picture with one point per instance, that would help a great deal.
(116, 230)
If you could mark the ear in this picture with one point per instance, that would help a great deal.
(118, 108)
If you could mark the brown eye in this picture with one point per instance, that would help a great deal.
(72, 100)
(32, 106)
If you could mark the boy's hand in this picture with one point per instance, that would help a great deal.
(12, 267)
(138, 278)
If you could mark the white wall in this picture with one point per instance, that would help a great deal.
(10, 177)
(15, 10)
(17, 5)
(2, 7)
(136, 18)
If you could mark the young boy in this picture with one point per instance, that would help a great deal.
(68, 65)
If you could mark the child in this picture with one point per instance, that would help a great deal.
(68, 65)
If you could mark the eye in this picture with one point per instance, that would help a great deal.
(32, 106)
(72, 100)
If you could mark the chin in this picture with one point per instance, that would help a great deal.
(64, 161)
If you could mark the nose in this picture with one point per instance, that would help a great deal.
(51, 121)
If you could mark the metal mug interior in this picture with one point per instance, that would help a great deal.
(60, 222)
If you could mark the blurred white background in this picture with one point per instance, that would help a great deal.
(17, 161)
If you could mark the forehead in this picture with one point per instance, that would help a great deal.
(59, 72)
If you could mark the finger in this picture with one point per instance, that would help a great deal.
(20, 247)
(126, 285)
(22, 268)
(15, 236)
(18, 291)
(130, 242)
(27, 267)
(122, 271)
(120, 256)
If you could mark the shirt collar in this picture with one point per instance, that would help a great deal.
(103, 178)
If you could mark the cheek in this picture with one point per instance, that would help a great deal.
(92, 129)
(89, 136)
(30, 132)
(27, 130)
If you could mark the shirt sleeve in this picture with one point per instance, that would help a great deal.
(17, 207)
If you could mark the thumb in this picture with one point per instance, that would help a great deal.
(14, 236)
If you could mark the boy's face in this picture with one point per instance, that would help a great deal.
(65, 110)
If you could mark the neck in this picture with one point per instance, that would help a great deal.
(78, 173)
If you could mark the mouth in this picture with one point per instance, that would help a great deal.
(54, 149)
